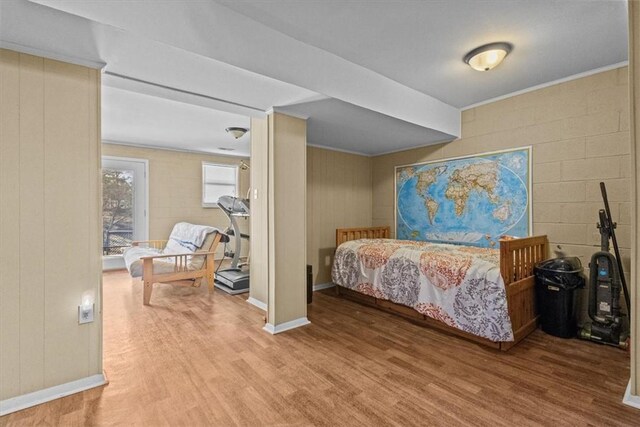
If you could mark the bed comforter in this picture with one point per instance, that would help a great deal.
(460, 286)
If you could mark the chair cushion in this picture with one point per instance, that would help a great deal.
(133, 262)
(185, 238)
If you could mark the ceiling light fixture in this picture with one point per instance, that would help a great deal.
(236, 132)
(488, 56)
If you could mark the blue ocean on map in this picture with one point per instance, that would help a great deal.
(457, 206)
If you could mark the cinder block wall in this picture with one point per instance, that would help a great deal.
(579, 131)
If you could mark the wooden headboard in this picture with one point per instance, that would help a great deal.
(347, 234)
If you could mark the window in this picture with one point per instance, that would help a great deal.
(124, 204)
(218, 180)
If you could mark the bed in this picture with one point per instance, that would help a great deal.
(485, 295)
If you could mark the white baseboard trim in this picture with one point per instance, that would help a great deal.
(629, 399)
(28, 400)
(257, 303)
(286, 325)
(321, 286)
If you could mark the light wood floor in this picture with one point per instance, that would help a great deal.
(192, 359)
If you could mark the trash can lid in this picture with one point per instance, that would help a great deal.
(561, 265)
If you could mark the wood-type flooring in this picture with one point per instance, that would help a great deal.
(196, 359)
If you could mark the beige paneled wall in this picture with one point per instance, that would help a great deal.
(338, 196)
(579, 131)
(175, 189)
(259, 210)
(50, 249)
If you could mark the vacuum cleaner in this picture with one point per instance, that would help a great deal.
(606, 281)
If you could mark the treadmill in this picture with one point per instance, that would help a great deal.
(235, 279)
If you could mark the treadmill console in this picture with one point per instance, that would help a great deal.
(234, 205)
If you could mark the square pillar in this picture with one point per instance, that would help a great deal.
(287, 202)
(278, 227)
(259, 247)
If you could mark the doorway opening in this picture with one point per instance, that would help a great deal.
(124, 207)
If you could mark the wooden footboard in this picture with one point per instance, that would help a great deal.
(517, 259)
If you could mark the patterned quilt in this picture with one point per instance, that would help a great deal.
(460, 286)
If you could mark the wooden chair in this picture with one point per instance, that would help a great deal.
(186, 269)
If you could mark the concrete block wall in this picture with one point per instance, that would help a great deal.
(579, 131)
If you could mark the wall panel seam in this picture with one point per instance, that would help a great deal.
(19, 284)
(44, 280)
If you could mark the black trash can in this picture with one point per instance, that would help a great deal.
(556, 282)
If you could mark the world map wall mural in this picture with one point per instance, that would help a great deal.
(467, 200)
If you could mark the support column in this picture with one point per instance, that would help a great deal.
(259, 247)
(633, 394)
(287, 302)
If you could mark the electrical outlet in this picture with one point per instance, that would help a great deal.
(85, 314)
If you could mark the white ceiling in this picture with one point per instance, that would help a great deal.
(359, 130)
(421, 43)
(373, 77)
(141, 119)
(218, 95)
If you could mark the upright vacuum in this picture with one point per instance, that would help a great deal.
(606, 280)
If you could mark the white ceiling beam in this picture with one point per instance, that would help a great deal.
(215, 31)
(119, 81)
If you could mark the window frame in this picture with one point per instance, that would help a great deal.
(224, 165)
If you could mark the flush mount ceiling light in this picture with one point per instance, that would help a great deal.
(488, 56)
(236, 132)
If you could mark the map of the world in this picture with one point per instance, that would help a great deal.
(470, 200)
